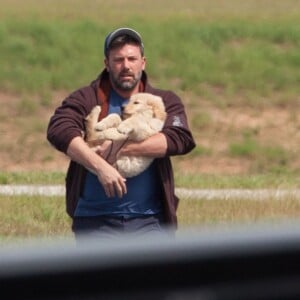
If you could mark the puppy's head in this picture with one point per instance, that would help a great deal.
(146, 104)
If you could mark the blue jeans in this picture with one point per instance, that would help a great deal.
(111, 227)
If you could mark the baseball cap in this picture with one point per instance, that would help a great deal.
(122, 31)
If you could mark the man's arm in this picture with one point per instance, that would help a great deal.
(154, 146)
(108, 176)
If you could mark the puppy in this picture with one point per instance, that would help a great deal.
(142, 117)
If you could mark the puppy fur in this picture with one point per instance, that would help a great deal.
(142, 117)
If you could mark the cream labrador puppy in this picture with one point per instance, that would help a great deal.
(142, 117)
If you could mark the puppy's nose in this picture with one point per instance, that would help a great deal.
(122, 108)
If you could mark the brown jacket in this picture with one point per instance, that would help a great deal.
(68, 123)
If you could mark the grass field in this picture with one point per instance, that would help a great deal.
(221, 50)
(235, 64)
(45, 217)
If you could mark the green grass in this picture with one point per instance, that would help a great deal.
(116, 11)
(193, 213)
(30, 217)
(255, 57)
(281, 180)
(265, 157)
(34, 177)
(33, 216)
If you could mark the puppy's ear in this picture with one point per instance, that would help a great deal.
(158, 107)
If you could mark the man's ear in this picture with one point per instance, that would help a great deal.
(106, 64)
(144, 63)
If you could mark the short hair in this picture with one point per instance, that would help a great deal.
(123, 40)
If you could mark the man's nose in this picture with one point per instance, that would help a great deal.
(126, 64)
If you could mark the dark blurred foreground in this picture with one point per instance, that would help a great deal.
(258, 262)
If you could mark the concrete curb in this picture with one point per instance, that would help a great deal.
(201, 194)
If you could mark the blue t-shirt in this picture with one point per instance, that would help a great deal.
(144, 191)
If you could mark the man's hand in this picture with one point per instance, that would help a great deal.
(103, 149)
(111, 180)
(109, 150)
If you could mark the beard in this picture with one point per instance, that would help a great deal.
(128, 84)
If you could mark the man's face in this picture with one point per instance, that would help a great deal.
(125, 65)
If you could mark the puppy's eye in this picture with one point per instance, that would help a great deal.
(136, 102)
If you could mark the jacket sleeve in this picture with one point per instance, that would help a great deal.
(176, 129)
(67, 121)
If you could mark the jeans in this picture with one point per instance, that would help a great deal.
(111, 227)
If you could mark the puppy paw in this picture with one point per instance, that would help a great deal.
(93, 115)
(124, 129)
(110, 121)
(96, 110)
(100, 126)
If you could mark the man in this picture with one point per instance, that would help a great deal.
(107, 203)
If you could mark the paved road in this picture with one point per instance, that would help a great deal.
(204, 194)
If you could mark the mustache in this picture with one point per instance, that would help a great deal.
(126, 73)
